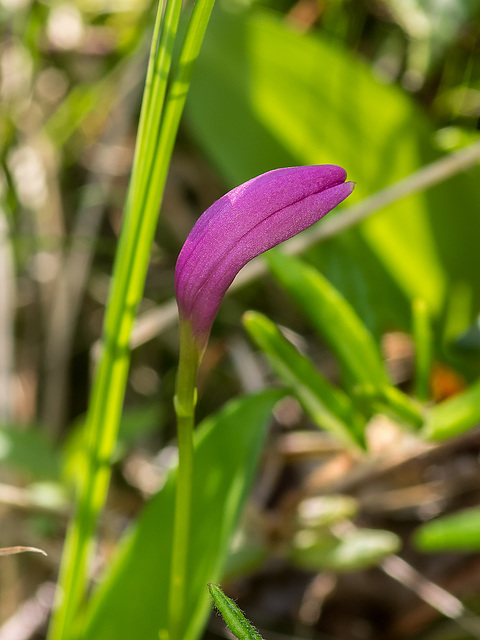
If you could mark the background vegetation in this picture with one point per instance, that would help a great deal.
(383, 315)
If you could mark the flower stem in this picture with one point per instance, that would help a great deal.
(185, 400)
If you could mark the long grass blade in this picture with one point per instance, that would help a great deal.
(158, 127)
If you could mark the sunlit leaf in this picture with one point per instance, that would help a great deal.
(339, 325)
(456, 532)
(455, 415)
(327, 405)
(332, 317)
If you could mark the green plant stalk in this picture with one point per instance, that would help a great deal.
(185, 400)
(233, 616)
(103, 416)
(154, 98)
(422, 335)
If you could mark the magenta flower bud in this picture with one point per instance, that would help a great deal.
(244, 223)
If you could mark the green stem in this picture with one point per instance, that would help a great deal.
(185, 400)
(422, 335)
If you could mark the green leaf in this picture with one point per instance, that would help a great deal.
(455, 415)
(236, 621)
(332, 317)
(457, 532)
(336, 321)
(391, 401)
(359, 549)
(328, 406)
(132, 602)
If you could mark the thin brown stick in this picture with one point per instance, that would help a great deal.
(434, 595)
(10, 551)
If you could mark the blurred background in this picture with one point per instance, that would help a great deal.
(381, 87)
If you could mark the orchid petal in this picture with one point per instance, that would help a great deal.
(244, 223)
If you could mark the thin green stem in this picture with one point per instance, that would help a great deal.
(233, 616)
(149, 106)
(181, 530)
(422, 336)
(185, 400)
(155, 91)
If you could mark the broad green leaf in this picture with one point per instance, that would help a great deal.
(236, 621)
(455, 415)
(265, 96)
(131, 602)
(328, 406)
(359, 549)
(456, 532)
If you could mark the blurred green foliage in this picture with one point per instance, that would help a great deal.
(381, 88)
(457, 532)
(266, 95)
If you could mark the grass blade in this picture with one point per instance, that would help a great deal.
(141, 213)
(455, 415)
(234, 618)
(332, 317)
(422, 335)
(328, 406)
(456, 532)
(336, 321)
